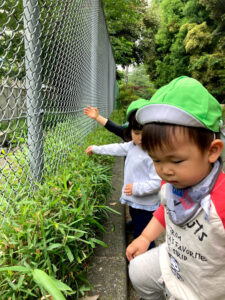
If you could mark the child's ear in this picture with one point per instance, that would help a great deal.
(215, 150)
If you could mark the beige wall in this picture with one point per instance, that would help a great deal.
(12, 102)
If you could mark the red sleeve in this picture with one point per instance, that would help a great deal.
(160, 216)
(162, 183)
(218, 196)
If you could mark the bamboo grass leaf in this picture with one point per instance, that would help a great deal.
(20, 282)
(62, 286)
(93, 221)
(54, 246)
(108, 209)
(69, 254)
(15, 269)
(48, 284)
(99, 242)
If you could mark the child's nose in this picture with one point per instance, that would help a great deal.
(167, 170)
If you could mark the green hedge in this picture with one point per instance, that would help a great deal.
(55, 230)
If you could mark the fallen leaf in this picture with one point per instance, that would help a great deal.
(90, 297)
(47, 297)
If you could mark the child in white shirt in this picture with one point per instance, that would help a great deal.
(141, 183)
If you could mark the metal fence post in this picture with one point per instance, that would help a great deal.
(94, 50)
(109, 84)
(33, 87)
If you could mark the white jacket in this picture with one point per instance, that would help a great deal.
(138, 169)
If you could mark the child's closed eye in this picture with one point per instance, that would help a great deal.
(156, 161)
(178, 161)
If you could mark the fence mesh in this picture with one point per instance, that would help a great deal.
(55, 59)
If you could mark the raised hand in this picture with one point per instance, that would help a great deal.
(91, 112)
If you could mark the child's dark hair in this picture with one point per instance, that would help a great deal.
(161, 136)
(133, 124)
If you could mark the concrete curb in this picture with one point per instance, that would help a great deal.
(108, 267)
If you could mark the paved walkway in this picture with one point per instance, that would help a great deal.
(108, 268)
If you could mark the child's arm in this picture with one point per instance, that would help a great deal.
(142, 188)
(115, 128)
(141, 244)
(148, 180)
(117, 149)
(147, 187)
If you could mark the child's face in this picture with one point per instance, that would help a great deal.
(183, 165)
(136, 136)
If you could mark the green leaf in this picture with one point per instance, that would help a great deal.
(62, 286)
(48, 284)
(69, 254)
(20, 281)
(108, 209)
(15, 269)
(93, 221)
(99, 242)
(54, 246)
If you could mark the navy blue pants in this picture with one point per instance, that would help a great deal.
(140, 219)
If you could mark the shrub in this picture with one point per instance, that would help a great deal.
(55, 228)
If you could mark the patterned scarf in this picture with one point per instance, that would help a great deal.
(184, 204)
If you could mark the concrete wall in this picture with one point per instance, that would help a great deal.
(12, 102)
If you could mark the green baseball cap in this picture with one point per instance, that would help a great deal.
(135, 105)
(184, 101)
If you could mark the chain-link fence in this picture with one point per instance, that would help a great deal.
(55, 59)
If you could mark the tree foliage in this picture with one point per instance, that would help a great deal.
(147, 47)
(171, 37)
(189, 41)
(124, 21)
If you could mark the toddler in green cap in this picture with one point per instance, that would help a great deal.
(182, 135)
(141, 182)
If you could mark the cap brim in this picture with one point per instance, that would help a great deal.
(164, 113)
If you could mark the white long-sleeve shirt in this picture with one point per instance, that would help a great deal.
(139, 170)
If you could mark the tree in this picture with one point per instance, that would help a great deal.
(138, 77)
(217, 13)
(206, 44)
(147, 47)
(124, 27)
(183, 36)
(139, 81)
(171, 59)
